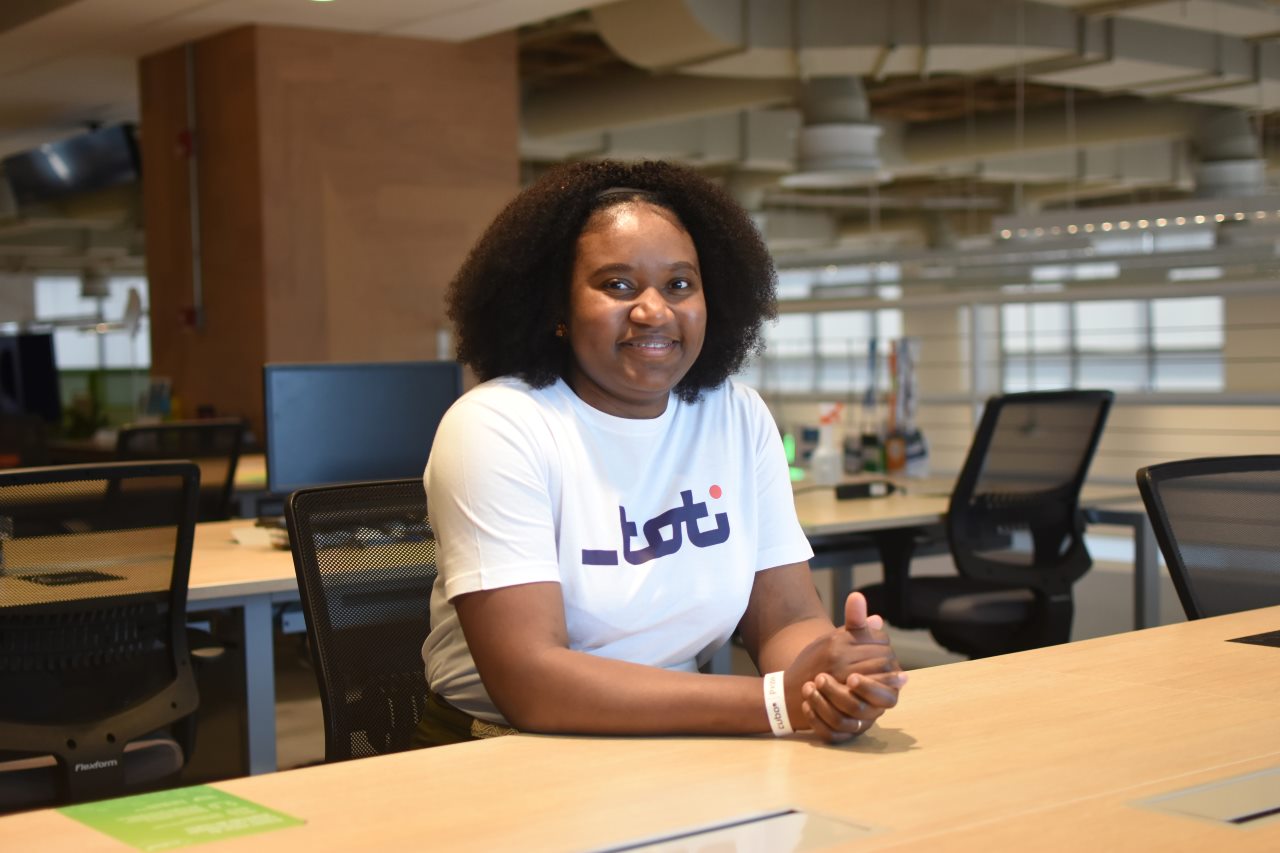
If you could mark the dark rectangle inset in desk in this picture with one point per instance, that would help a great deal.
(786, 829)
(66, 578)
(1270, 638)
(1245, 802)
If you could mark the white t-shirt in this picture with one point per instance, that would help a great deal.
(654, 529)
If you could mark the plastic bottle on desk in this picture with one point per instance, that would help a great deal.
(826, 466)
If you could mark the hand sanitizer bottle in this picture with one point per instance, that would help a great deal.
(826, 466)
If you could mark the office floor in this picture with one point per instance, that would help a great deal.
(299, 719)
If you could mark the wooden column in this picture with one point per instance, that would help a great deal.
(339, 181)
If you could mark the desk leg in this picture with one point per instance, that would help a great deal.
(896, 547)
(841, 586)
(1146, 575)
(260, 684)
(247, 503)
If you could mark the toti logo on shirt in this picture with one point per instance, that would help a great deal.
(665, 533)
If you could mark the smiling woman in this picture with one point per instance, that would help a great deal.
(609, 507)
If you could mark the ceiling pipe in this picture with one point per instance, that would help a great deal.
(602, 106)
(751, 38)
(1108, 122)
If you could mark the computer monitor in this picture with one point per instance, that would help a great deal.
(342, 423)
(29, 376)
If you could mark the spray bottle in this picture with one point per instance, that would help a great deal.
(827, 463)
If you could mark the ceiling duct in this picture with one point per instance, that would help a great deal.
(840, 42)
(1230, 159)
(93, 283)
(838, 145)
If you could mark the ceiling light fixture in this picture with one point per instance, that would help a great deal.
(1158, 215)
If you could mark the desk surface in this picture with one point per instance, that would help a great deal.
(922, 503)
(821, 514)
(220, 567)
(1056, 745)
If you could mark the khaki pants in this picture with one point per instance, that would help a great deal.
(443, 724)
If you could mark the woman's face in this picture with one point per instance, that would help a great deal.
(637, 313)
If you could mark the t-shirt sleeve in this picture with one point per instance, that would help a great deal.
(781, 538)
(488, 497)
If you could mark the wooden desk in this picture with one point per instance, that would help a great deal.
(1052, 749)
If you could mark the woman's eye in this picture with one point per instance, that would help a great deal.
(617, 284)
(681, 284)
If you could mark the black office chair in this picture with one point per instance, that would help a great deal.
(365, 556)
(96, 687)
(1015, 530)
(213, 444)
(1216, 521)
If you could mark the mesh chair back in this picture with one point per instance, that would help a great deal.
(1216, 521)
(365, 556)
(213, 445)
(93, 651)
(1014, 514)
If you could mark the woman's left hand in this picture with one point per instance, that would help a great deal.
(838, 711)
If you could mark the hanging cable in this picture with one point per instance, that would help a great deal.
(1020, 83)
(1077, 173)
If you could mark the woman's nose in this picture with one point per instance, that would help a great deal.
(650, 308)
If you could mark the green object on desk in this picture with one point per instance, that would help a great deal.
(163, 820)
(789, 447)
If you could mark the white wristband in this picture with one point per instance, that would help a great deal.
(775, 704)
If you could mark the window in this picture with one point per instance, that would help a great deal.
(1172, 344)
(829, 351)
(77, 346)
(1048, 336)
(1189, 335)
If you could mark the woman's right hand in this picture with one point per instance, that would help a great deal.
(842, 681)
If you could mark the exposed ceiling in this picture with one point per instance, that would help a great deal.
(959, 110)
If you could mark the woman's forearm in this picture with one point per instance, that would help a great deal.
(518, 641)
(560, 690)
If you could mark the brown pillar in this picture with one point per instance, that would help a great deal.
(339, 180)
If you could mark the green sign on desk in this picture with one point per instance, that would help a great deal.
(163, 820)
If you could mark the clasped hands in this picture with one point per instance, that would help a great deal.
(843, 681)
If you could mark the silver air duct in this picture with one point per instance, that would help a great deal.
(838, 146)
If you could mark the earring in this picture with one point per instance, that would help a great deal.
(561, 330)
